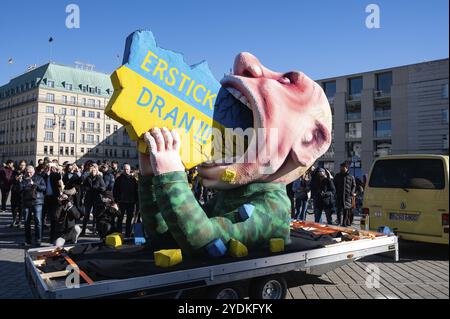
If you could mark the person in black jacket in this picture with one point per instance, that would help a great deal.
(345, 192)
(107, 216)
(16, 202)
(325, 197)
(93, 186)
(108, 177)
(126, 194)
(67, 215)
(72, 180)
(54, 187)
(32, 188)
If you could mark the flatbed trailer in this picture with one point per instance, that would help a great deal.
(262, 277)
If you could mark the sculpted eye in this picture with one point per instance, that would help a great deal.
(284, 80)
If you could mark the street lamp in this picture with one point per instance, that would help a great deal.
(58, 119)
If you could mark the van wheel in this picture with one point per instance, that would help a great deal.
(225, 292)
(272, 287)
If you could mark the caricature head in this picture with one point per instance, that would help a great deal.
(296, 116)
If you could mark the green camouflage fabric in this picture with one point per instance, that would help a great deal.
(168, 204)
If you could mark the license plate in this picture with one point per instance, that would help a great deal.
(403, 217)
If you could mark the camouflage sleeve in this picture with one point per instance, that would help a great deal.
(151, 217)
(192, 229)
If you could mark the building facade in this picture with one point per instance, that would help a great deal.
(401, 110)
(58, 111)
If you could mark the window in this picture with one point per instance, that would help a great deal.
(97, 139)
(72, 125)
(410, 173)
(83, 113)
(51, 84)
(72, 138)
(382, 148)
(90, 127)
(63, 111)
(50, 97)
(82, 138)
(83, 126)
(69, 86)
(72, 151)
(91, 114)
(384, 82)
(82, 150)
(91, 102)
(49, 109)
(45, 149)
(445, 91)
(90, 139)
(353, 130)
(61, 150)
(445, 116)
(330, 89)
(355, 86)
(67, 151)
(49, 136)
(73, 100)
(63, 124)
(72, 112)
(353, 112)
(108, 129)
(51, 150)
(64, 98)
(33, 109)
(98, 115)
(353, 149)
(62, 137)
(99, 103)
(83, 101)
(98, 127)
(49, 123)
(116, 128)
(382, 109)
(382, 128)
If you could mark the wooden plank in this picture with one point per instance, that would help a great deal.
(77, 269)
(56, 274)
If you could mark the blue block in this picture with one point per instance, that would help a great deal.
(384, 230)
(216, 248)
(139, 241)
(246, 211)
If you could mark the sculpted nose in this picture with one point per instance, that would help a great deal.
(247, 65)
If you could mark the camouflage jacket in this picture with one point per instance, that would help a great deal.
(168, 204)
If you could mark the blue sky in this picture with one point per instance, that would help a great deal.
(321, 38)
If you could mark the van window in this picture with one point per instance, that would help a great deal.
(408, 173)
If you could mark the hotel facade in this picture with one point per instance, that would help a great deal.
(57, 111)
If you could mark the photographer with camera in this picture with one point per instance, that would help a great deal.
(108, 215)
(32, 188)
(67, 215)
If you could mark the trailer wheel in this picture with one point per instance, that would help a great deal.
(272, 287)
(225, 292)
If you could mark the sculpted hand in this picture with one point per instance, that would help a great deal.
(164, 146)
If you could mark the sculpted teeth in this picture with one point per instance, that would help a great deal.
(239, 96)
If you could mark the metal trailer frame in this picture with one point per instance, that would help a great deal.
(330, 256)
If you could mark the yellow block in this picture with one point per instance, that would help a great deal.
(276, 245)
(114, 240)
(229, 176)
(168, 258)
(238, 249)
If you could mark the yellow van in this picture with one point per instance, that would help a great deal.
(409, 194)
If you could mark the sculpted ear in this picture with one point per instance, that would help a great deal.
(307, 151)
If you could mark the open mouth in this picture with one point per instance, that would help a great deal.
(238, 116)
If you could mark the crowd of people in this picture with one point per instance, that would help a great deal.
(339, 195)
(63, 197)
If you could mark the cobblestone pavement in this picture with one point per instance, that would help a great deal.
(422, 273)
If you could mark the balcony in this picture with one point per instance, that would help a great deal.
(353, 116)
(382, 114)
(381, 95)
(354, 98)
